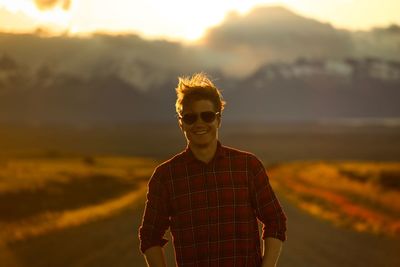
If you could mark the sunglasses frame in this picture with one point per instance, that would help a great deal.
(199, 115)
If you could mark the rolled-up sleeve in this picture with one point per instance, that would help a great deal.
(266, 206)
(156, 218)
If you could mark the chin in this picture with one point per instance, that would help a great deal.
(202, 143)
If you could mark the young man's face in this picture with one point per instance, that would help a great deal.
(200, 133)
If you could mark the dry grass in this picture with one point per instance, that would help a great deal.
(43, 195)
(32, 174)
(363, 195)
(50, 221)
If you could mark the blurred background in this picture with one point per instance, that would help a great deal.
(87, 94)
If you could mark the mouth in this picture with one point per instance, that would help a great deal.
(201, 132)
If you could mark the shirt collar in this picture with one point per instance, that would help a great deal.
(219, 153)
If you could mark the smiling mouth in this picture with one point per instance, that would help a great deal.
(200, 132)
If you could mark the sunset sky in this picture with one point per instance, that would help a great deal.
(178, 19)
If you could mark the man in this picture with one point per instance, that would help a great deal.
(210, 195)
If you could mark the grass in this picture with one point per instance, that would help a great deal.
(46, 194)
(32, 174)
(362, 195)
(39, 195)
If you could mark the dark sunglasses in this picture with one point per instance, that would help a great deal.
(206, 116)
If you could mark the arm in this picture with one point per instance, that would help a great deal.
(272, 249)
(155, 221)
(269, 211)
(155, 257)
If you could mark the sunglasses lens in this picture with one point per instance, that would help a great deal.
(189, 118)
(207, 116)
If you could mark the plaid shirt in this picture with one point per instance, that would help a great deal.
(212, 209)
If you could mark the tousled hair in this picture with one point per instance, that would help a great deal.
(197, 87)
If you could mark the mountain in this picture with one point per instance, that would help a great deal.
(139, 62)
(272, 64)
(383, 43)
(318, 90)
(62, 99)
(270, 34)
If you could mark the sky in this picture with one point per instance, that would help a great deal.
(181, 20)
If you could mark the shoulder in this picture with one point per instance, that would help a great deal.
(175, 160)
(238, 153)
(252, 162)
(165, 167)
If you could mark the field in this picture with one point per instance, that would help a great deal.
(362, 195)
(272, 142)
(38, 196)
(42, 195)
(59, 181)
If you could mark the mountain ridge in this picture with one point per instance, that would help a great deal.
(333, 74)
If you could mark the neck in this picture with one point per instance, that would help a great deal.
(204, 153)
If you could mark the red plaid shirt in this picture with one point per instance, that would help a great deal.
(212, 209)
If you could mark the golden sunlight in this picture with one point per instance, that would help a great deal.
(177, 19)
(56, 15)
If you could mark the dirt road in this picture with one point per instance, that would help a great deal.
(113, 242)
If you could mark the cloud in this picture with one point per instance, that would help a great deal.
(50, 4)
(14, 21)
(269, 34)
(138, 62)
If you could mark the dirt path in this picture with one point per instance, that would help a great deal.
(113, 242)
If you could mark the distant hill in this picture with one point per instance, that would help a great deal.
(272, 64)
(318, 90)
(271, 34)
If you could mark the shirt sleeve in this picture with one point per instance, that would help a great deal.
(266, 206)
(156, 218)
